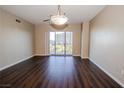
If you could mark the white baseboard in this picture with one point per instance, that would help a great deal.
(76, 55)
(85, 57)
(118, 81)
(5, 67)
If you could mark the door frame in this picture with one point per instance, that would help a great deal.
(64, 44)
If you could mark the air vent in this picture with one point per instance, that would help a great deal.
(17, 20)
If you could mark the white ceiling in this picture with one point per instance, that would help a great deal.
(36, 13)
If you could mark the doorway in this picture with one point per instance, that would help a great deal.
(61, 43)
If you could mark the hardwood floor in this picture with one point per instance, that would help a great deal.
(56, 72)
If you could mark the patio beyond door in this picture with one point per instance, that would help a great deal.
(61, 43)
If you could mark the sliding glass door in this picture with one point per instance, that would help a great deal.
(61, 43)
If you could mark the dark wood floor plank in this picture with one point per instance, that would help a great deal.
(56, 72)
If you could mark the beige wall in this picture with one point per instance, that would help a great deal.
(42, 35)
(16, 40)
(107, 41)
(85, 40)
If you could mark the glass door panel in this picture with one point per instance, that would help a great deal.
(52, 43)
(60, 43)
(68, 43)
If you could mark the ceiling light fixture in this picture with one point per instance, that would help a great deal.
(58, 20)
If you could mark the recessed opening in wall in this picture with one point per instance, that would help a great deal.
(61, 43)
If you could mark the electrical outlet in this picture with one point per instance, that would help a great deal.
(122, 72)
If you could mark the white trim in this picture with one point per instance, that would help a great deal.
(114, 78)
(76, 55)
(15, 63)
(85, 57)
